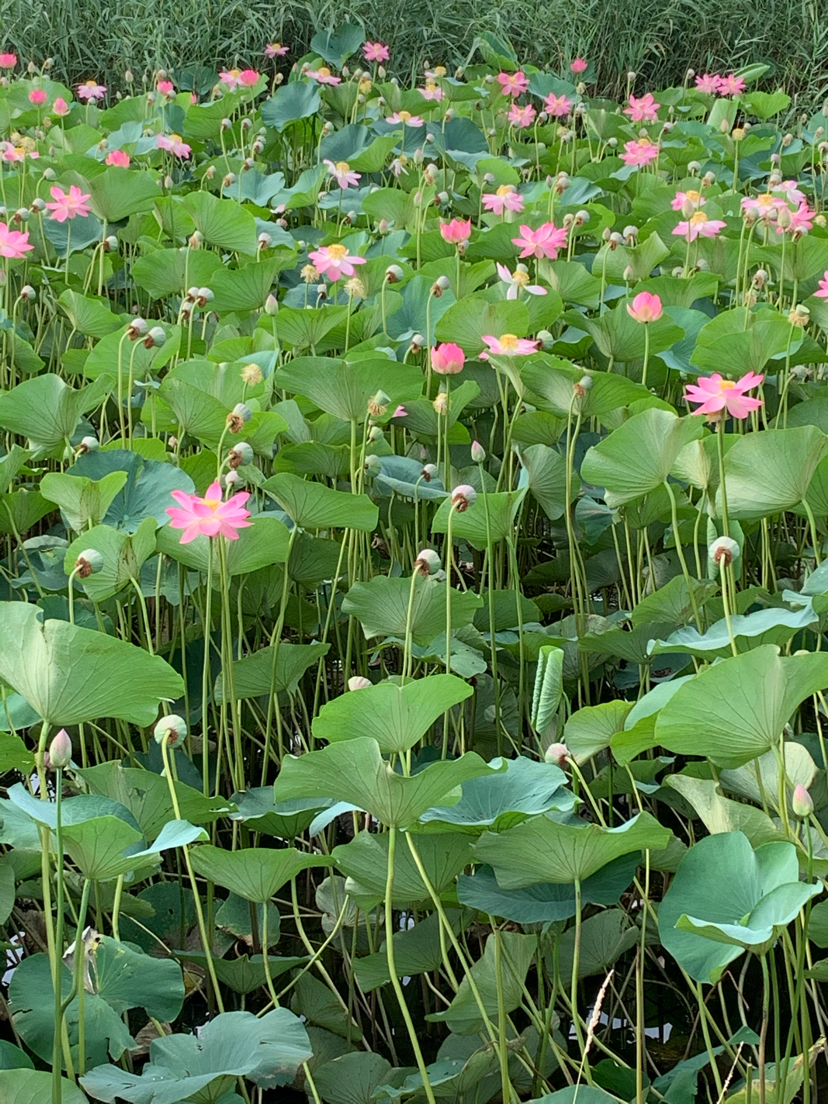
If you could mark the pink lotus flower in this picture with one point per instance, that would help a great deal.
(694, 199)
(89, 90)
(521, 116)
(342, 174)
(432, 91)
(230, 78)
(513, 84)
(173, 144)
(640, 152)
(68, 205)
(60, 107)
(642, 110)
(406, 118)
(14, 154)
(38, 97)
(508, 345)
(715, 394)
(543, 242)
(375, 51)
(457, 231)
(8, 61)
(823, 287)
(801, 220)
(275, 49)
(731, 85)
(334, 261)
(790, 192)
(118, 158)
(447, 359)
(645, 307)
(763, 204)
(400, 412)
(518, 281)
(503, 199)
(699, 225)
(578, 65)
(709, 83)
(14, 244)
(248, 78)
(557, 106)
(323, 75)
(209, 516)
(166, 88)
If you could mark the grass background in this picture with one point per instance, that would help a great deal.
(658, 39)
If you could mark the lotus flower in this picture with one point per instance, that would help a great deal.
(543, 242)
(447, 359)
(508, 345)
(699, 225)
(715, 394)
(334, 261)
(645, 307)
(513, 84)
(209, 516)
(457, 231)
(643, 109)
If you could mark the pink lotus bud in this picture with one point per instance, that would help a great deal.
(60, 751)
(357, 682)
(802, 803)
(447, 359)
(645, 307)
(456, 231)
(478, 452)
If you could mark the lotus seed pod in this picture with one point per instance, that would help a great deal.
(427, 562)
(429, 472)
(463, 497)
(240, 454)
(723, 550)
(89, 444)
(243, 412)
(557, 754)
(28, 293)
(375, 433)
(156, 337)
(89, 562)
(60, 750)
(394, 274)
(357, 682)
(547, 340)
(372, 466)
(172, 729)
(229, 479)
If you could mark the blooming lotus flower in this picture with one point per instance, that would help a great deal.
(645, 307)
(173, 144)
(640, 152)
(342, 173)
(695, 199)
(643, 109)
(521, 116)
(275, 49)
(375, 51)
(789, 190)
(503, 199)
(513, 84)
(800, 220)
(334, 261)
(699, 225)
(507, 345)
(119, 158)
(406, 118)
(68, 205)
(447, 359)
(432, 91)
(822, 288)
(557, 106)
(543, 242)
(166, 88)
(38, 97)
(578, 65)
(14, 154)
(763, 204)
(248, 78)
(518, 281)
(715, 394)
(60, 106)
(89, 90)
(398, 166)
(709, 83)
(323, 75)
(731, 85)
(209, 516)
(230, 78)
(8, 61)
(457, 231)
(14, 244)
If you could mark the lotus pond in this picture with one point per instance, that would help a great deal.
(413, 517)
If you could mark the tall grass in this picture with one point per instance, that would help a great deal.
(658, 40)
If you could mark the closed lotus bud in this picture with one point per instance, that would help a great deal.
(357, 682)
(802, 803)
(784, 218)
(557, 754)
(478, 452)
(394, 273)
(427, 562)
(171, 729)
(271, 305)
(383, 228)
(60, 750)
(628, 275)
(429, 472)
(687, 208)
(463, 497)
(372, 466)
(240, 454)
(89, 444)
(89, 562)
(724, 126)
(724, 550)
(378, 404)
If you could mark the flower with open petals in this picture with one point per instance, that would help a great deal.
(642, 110)
(503, 199)
(709, 83)
(8, 61)
(118, 158)
(763, 204)
(558, 106)
(513, 84)
(447, 359)
(209, 516)
(230, 78)
(406, 118)
(732, 85)
(645, 307)
(248, 78)
(173, 144)
(521, 116)
(715, 395)
(543, 242)
(345, 177)
(507, 345)
(789, 190)
(799, 221)
(275, 50)
(822, 288)
(68, 205)
(691, 198)
(456, 231)
(14, 244)
(518, 281)
(699, 225)
(375, 51)
(578, 65)
(323, 75)
(640, 152)
(334, 261)
(432, 91)
(90, 90)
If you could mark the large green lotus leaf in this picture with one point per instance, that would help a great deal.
(604, 939)
(146, 493)
(91, 317)
(767, 473)
(544, 472)
(743, 351)
(134, 360)
(244, 974)
(467, 322)
(775, 625)
(726, 897)
(255, 874)
(500, 801)
(297, 328)
(545, 902)
(750, 781)
(463, 1016)
(264, 543)
(123, 557)
(291, 102)
(613, 261)
(549, 680)
(247, 288)
(417, 950)
(395, 716)
(70, 675)
(637, 457)
(223, 222)
(83, 502)
(590, 729)
(577, 1094)
(720, 814)
(30, 1086)
(544, 850)
(267, 1049)
(314, 506)
(345, 389)
(104, 847)
(381, 607)
(355, 772)
(270, 670)
(46, 410)
(500, 507)
(736, 710)
(623, 338)
(364, 861)
(118, 193)
(352, 1078)
(256, 808)
(171, 271)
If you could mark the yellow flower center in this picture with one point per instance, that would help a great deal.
(726, 385)
(440, 70)
(431, 85)
(234, 72)
(509, 342)
(337, 252)
(90, 84)
(175, 137)
(698, 218)
(341, 166)
(404, 116)
(644, 142)
(324, 71)
(504, 190)
(520, 278)
(693, 196)
(212, 502)
(766, 200)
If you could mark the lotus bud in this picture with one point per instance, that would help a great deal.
(802, 804)
(271, 305)
(427, 562)
(687, 208)
(383, 227)
(240, 454)
(463, 497)
(89, 562)
(394, 274)
(60, 750)
(724, 550)
(357, 682)
(172, 729)
(784, 218)
(477, 452)
(628, 275)
(378, 404)
(557, 754)
(372, 466)
(88, 444)
(429, 472)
